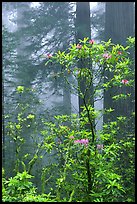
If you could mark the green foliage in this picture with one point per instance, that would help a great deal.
(72, 165)
(20, 89)
(17, 187)
(20, 189)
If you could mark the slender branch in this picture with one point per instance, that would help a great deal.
(89, 173)
(90, 121)
(34, 159)
(90, 182)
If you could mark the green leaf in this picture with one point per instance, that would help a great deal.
(20, 89)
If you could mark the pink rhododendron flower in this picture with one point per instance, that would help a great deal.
(119, 52)
(91, 41)
(79, 46)
(106, 56)
(82, 141)
(100, 146)
(77, 141)
(71, 137)
(124, 81)
(49, 55)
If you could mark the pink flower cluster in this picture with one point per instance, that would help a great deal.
(82, 141)
(106, 56)
(79, 46)
(124, 81)
(119, 53)
(100, 146)
(49, 55)
(91, 41)
(71, 137)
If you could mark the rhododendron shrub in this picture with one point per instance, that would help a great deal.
(100, 179)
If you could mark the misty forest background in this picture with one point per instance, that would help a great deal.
(31, 30)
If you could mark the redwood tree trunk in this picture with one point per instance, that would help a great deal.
(83, 30)
(119, 24)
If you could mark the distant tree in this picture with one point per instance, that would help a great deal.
(97, 16)
(119, 24)
(48, 35)
(40, 30)
(9, 44)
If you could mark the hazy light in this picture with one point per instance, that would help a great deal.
(93, 5)
(35, 4)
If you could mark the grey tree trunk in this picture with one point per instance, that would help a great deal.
(67, 99)
(119, 24)
(119, 21)
(25, 73)
(83, 30)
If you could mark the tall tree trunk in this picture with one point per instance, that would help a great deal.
(21, 58)
(24, 75)
(119, 24)
(83, 30)
(119, 21)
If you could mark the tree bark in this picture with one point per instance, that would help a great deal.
(83, 30)
(119, 24)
